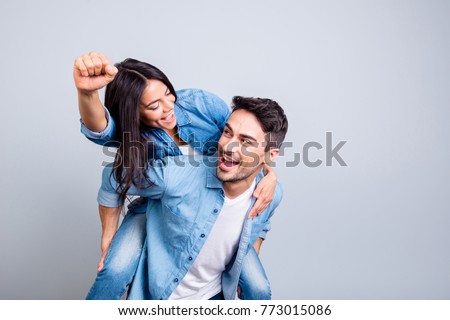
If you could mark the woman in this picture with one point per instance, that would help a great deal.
(146, 118)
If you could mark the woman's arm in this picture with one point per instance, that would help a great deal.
(264, 191)
(257, 245)
(110, 222)
(92, 72)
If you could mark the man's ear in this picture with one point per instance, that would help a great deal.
(271, 155)
(274, 152)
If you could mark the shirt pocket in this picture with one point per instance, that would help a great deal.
(177, 227)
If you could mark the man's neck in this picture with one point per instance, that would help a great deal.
(235, 189)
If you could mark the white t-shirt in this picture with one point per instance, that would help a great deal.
(187, 150)
(204, 278)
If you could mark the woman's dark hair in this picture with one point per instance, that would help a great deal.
(123, 98)
(270, 115)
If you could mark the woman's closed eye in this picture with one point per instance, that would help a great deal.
(153, 106)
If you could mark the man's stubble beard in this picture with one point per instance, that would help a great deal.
(239, 176)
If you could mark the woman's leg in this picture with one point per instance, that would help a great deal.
(122, 258)
(139, 289)
(253, 281)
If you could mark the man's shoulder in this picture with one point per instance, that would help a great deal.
(185, 164)
(277, 197)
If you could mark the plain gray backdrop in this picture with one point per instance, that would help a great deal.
(374, 73)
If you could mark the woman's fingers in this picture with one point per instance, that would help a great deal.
(92, 72)
(89, 64)
(97, 63)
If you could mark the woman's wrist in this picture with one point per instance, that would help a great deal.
(88, 95)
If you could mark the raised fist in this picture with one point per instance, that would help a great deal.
(92, 72)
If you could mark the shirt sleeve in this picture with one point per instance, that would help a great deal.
(157, 173)
(107, 195)
(263, 232)
(218, 110)
(106, 135)
(278, 196)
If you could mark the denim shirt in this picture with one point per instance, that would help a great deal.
(201, 118)
(188, 198)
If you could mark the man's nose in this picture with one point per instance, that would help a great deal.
(232, 145)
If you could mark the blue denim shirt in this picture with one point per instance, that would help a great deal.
(190, 198)
(201, 118)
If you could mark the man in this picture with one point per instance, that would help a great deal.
(198, 233)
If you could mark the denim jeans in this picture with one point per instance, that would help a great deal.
(124, 256)
(253, 281)
(122, 259)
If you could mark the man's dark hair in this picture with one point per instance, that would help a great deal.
(270, 115)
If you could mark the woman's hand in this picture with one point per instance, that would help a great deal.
(264, 192)
(106, 242)
(92, 72)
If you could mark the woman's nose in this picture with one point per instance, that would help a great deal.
(167, 105)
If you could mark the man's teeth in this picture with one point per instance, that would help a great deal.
(229, 161)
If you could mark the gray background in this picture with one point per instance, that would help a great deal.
(375, 73)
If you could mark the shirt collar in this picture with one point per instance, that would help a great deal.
(211, 176)
(181, 115)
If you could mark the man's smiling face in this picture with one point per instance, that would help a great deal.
(241, 148)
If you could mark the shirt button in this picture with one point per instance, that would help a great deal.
(190, 258)
(202, 235)
(176, 280)
(215, 210)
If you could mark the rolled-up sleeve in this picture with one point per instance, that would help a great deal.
(278, 196)
(266, 228)
(157, 172)
(107, 195)
(104, 136)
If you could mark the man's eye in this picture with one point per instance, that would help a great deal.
(248, 142)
